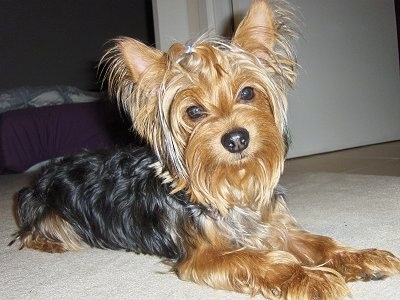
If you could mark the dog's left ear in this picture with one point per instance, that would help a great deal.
(257, 30)
(137, 56)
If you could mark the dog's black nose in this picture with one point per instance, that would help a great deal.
(236, 141)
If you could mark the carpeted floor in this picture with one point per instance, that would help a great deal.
(360, 210)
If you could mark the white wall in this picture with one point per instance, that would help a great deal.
(183, 20)
(171, 22)
(348, 91)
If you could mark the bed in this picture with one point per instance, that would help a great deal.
(42, 123)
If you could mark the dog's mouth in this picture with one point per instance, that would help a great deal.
(240, 158)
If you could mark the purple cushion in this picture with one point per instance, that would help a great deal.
(31, 135)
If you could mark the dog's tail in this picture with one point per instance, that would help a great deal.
(41, 227)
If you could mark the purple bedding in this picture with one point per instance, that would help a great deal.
(32, 135)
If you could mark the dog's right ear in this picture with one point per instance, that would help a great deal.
(266, 32)
(136, 56)
(257, 32)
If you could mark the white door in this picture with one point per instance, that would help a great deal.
(348, 89)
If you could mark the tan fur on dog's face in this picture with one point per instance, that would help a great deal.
(185, 100)
(217, 85)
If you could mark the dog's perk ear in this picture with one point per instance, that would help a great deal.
(257, 30)
(137, 56)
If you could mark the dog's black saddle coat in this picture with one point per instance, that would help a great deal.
(113, 199)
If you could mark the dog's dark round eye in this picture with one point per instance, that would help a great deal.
(246, 94)
(195, 112)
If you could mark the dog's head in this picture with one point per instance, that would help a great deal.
(214, 111)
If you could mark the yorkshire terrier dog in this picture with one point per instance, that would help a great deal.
(204, 193)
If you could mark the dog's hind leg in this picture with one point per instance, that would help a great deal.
(50, 234)
(41, 227)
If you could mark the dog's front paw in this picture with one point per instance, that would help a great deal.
(307, 283)
(369, 264)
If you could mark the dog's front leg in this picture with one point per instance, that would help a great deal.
(367, 264)
(275, 274)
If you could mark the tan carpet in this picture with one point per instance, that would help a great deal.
(363, 211)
